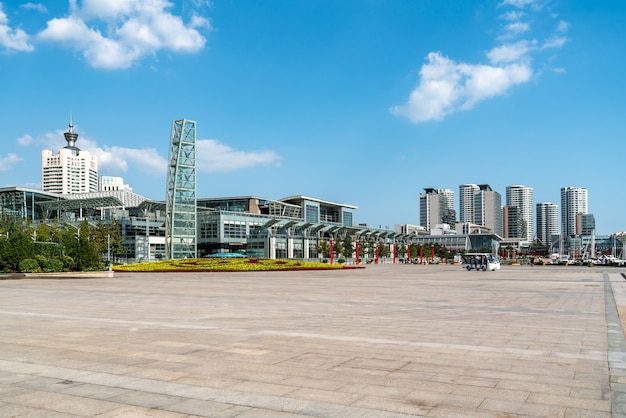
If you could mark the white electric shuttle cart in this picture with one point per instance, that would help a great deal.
(481, 261)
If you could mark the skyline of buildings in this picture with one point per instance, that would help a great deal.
(74, 171)
(183, 230)
(479, 204)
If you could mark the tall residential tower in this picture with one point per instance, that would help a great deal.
(488, 209)
(466, 202)
(436, 207)
(547, 222)
(520, 220)
(573, 202)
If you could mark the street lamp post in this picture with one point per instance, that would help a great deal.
(109, 250)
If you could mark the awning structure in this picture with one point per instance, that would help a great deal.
(304, 225)
(287, 224)
(71, 204)
(271, 223)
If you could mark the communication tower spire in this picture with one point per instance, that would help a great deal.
(70, 136)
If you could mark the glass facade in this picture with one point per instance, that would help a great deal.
(143, 227)
(180, 224)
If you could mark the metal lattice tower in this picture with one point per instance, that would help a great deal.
(180, 221)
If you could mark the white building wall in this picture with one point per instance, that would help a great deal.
(69, 171)
(466, 202)
(547, 222)
(522, 197)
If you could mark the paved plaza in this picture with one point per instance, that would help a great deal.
(385, 341)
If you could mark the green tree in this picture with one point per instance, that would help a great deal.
(17, 247)
(323, 248)
(100, 238)
(116, 241)
(338, 248)
(79, 246)
(371, 249)
(348, 247)
(383, 250)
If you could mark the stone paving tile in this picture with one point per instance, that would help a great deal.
(583, 413)
(206, 408)
(139, 412)
(63, 404)
(387, 341)
(145, 399)
(22, 411)
(86, 390)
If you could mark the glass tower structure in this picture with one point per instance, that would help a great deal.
(181, 216)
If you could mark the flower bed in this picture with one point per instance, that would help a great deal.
(234, 264)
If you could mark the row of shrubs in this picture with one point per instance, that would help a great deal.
(42, 264)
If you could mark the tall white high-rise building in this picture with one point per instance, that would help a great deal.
(488, 208)
(573, 202)
(520, 222)
(71, 170)
(547, 222)
(436, 207)
(466, 202)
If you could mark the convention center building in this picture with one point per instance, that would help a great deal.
(258, 227)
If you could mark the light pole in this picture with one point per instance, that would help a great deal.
(109, 250)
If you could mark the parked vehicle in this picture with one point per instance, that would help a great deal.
(481, 261)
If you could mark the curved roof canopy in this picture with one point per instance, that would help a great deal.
(94, 202)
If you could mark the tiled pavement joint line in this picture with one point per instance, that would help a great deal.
(185, 391)
(616, 352)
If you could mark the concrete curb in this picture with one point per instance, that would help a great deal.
(59, 275)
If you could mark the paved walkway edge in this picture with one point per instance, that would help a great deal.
(616, 352)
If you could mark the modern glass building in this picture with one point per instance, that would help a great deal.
(287, 228)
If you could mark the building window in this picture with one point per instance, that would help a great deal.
(235, 229)
(312, 214)
(347, 219)
(208, 230)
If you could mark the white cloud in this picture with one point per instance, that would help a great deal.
(555, 42)
(13, 39)
(509, 52)
(215, 157)
(211, 156)
(25, 140)
(517, 28)
(513, 15)
(146, 160)
(8, 163)
(485, 81)
(562, 26)
(447, 86)
(115, 34)
(35, 6)
(522, 4)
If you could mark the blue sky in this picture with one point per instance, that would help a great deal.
(363, 102)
